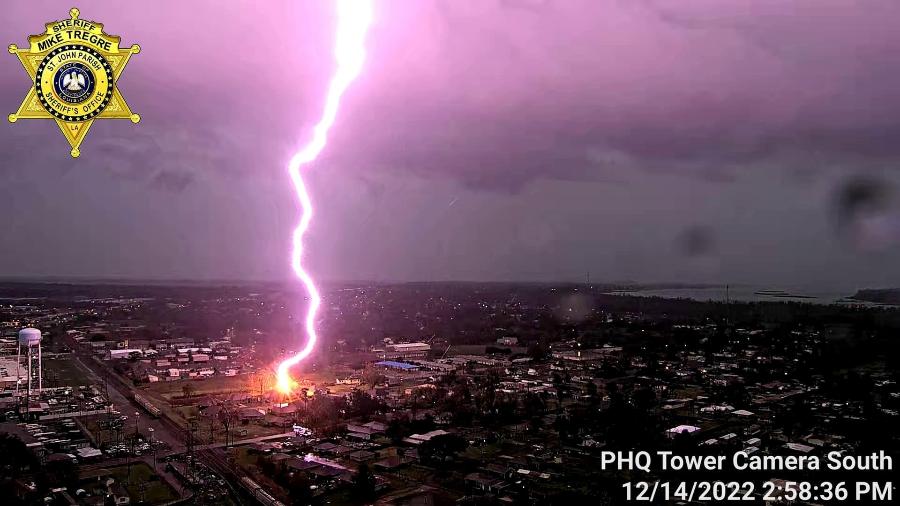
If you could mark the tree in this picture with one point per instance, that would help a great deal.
(227, 417)
(736, 394)
(363, 484)
(537, 352)
(15, 458)
(298, 489)
(442, 447)
(398, 428)
(16, 462)
(591, 392)
(188, 390)
(532, 404)
(362, 404)
(372, 377)
(59, 473)
(644, 399)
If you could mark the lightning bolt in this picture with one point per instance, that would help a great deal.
(353, 20)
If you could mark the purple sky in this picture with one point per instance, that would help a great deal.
(676, 140)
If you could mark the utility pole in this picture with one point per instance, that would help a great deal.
(191, 429)
(152, 448)
(137, 421)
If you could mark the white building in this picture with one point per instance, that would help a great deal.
(122, 353)
(407, 350)
(8, 376)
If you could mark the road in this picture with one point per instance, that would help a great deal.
(164, 429)
(120, 397)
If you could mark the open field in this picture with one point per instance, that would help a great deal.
(60, 372)
(242, 383)
(143, 485)
(214, 385)
(211, 431)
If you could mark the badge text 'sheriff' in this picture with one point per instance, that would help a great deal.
(74, 66)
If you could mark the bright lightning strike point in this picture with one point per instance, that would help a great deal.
(353, 20)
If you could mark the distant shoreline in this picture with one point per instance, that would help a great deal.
(888, 296)
(751, 294)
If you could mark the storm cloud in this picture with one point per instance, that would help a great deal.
(485, 139)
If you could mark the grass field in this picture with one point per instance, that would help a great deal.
(242, 383)
(60, 372)
(214, 385)
(142, 484)
(216, 434)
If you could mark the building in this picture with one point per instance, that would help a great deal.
(365, 431)
(591, 355)
(508, 341)
(407, 350)
(403, 366)
(10, 372)
(681, 429)
(8, 346)
(123, 353)
(417, 439)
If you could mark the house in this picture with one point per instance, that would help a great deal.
(298, 464)
(417, 439)
(365, 432)
(361, 456)
(123, 353)
(325, 447)
(391, 463)
(376, 426)
(482, 483)
(681, 429)
(246, 414)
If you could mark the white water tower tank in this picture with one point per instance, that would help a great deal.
(29, 337)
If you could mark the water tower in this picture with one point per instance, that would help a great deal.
(30, 340)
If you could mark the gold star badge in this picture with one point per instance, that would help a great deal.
(74, 65)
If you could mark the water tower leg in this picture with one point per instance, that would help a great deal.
(28, 391)
(18, 368)
(40, 370)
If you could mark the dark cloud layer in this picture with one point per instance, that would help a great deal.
(579, 135)
(578, 89)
